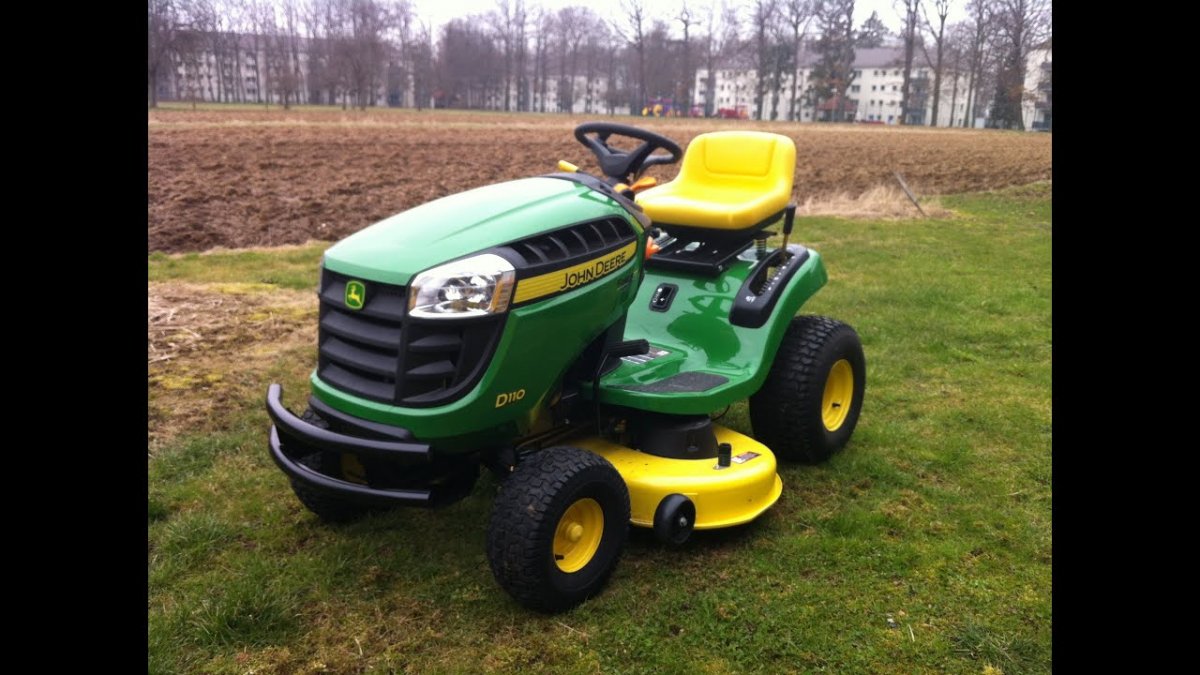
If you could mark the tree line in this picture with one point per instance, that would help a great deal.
(521, 56)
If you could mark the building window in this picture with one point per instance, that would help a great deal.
(872, 87)
(854, 88)
(895, 88)
(896, 73)
(890, 118)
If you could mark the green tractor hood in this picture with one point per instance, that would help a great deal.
(396, 249)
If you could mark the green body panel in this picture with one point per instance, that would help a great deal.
(396, 249)
(699, 338)
(539, 341)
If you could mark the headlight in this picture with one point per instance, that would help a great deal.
(474, 286)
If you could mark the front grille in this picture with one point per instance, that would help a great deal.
(381, 354)
(571, 244)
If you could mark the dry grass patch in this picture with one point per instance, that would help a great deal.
(205, 345)
(881, 201)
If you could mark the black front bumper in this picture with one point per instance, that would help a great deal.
(293, 438)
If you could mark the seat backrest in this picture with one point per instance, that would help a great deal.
(742, 159)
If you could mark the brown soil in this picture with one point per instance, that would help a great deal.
(238, 178)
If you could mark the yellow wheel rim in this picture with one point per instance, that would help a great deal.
(839, 394)
(578, 535)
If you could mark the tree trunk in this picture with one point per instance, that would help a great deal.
(795, 70)
(937, 75)
(970, 113)
(641, 54)
(910, 28)
(953, 100)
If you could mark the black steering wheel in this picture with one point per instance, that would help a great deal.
(626, 166)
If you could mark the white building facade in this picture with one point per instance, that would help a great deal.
(1036, 107)
(874, 95)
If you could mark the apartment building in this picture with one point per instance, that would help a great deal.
(874, 94)
(1036, 108)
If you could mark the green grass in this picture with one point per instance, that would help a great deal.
(924, 547)
(287, 266)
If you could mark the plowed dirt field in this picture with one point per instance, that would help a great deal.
(243, 177)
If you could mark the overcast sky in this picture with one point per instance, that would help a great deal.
(438, 12)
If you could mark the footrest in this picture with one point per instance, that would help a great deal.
(680, 383)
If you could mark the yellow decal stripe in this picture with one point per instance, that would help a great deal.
(574, 276)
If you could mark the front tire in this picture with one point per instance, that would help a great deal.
(558, 527)
(809, 405)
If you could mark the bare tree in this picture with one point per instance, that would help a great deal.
(1021, 26)
(720, 42)
(521, 46)
(280, 82)
(164, 26)
(982, 18)
(941, 10)
(662, 72)
(613, 94)
(572, 24)
(420, 59)
(633, 32)
(226, 49)
(503, 20)
(291, 78)
(206, 21)
(261, 15)
(595, 56)
(958, 40)
(835, 70)
(543, 30)
(799, 14)
(366, 50)
(189, 53)
(686, 19)
(322, 79)
(871, 33)
(235, 13)
(908, 33)
(762, 18)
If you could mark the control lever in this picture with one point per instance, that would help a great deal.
(789, 219)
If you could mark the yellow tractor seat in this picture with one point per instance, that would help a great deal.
(729, 180)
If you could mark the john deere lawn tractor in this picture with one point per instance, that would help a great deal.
(574, 334)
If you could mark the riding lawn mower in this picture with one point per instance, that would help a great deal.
(574, 334)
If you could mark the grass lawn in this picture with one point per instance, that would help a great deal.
(925, 546)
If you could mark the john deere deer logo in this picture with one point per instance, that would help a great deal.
(356, 294)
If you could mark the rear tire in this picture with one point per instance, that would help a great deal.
(809, 405)
(557, 528)
(327, 507)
